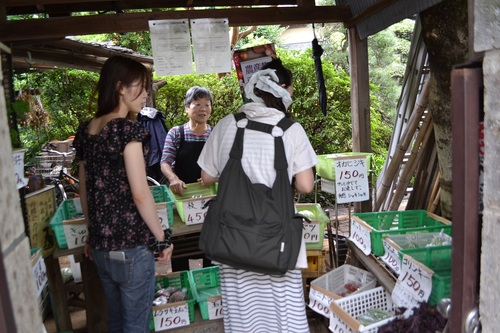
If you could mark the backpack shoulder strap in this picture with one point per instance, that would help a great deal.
(280, 162)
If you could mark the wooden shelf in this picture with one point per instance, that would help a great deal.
(384, 276)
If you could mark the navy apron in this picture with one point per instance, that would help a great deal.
(186, 160)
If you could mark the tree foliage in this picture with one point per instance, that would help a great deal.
(67, 93)
(65, 96)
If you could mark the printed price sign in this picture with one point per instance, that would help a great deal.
(360, 236)
(351, 179)
(214, 306)
(319, 302)
(76, 233)
(195, 210)
(161, 209)
(391, 257)
(311, 232)
(18, 162)
(171, 316)
(415, 282)
(39, 272)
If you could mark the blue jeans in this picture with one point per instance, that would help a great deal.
(128, 288)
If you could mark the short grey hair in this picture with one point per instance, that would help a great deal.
(195, 93)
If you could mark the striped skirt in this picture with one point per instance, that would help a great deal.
(260, 303)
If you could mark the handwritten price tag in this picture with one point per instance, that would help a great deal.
(351, 179)
(194, 210)
(319, 302)
(327, 186)
(161, 209)
(337, 325)
(391, 257)
(415, 282)
(171, 316)
(18, 162)
(76, 233)
(403, 297)
(214, 306)
(39, 272)
(311, 232)
(360, 236)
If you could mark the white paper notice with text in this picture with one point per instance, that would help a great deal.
(211, 46)
(171, 46)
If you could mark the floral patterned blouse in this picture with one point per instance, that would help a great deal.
(114, 221)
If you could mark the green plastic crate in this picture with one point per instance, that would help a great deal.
(67, 210)
(441, 287)
(326, 167)
(319, 217)
(437, 258)
(197, 195)
(179, 280)
(162, 194)
(399, 222)
(205, 283)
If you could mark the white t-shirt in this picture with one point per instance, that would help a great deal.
(258, 150)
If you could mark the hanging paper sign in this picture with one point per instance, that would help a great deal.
(311, 232)
(18, 162)
(171, 45)
(214, 306)
(360, 235)
(414, 283)
(39, 272)
(351, 179)
(211, 46)
(171, 316)
(195, 210)
(391, 256)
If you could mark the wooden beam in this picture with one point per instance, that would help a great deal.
(37, 29)
(149, 3)
(83, 7)
(368, 12)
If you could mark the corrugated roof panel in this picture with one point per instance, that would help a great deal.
(394, 13)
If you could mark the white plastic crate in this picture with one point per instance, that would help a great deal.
(332, 286)
(344, 311)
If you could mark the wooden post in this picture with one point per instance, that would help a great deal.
(360, 101)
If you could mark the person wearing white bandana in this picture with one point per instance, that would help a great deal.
(254, 302)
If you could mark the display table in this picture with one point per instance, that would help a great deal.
(94, 298)
(185, 239)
